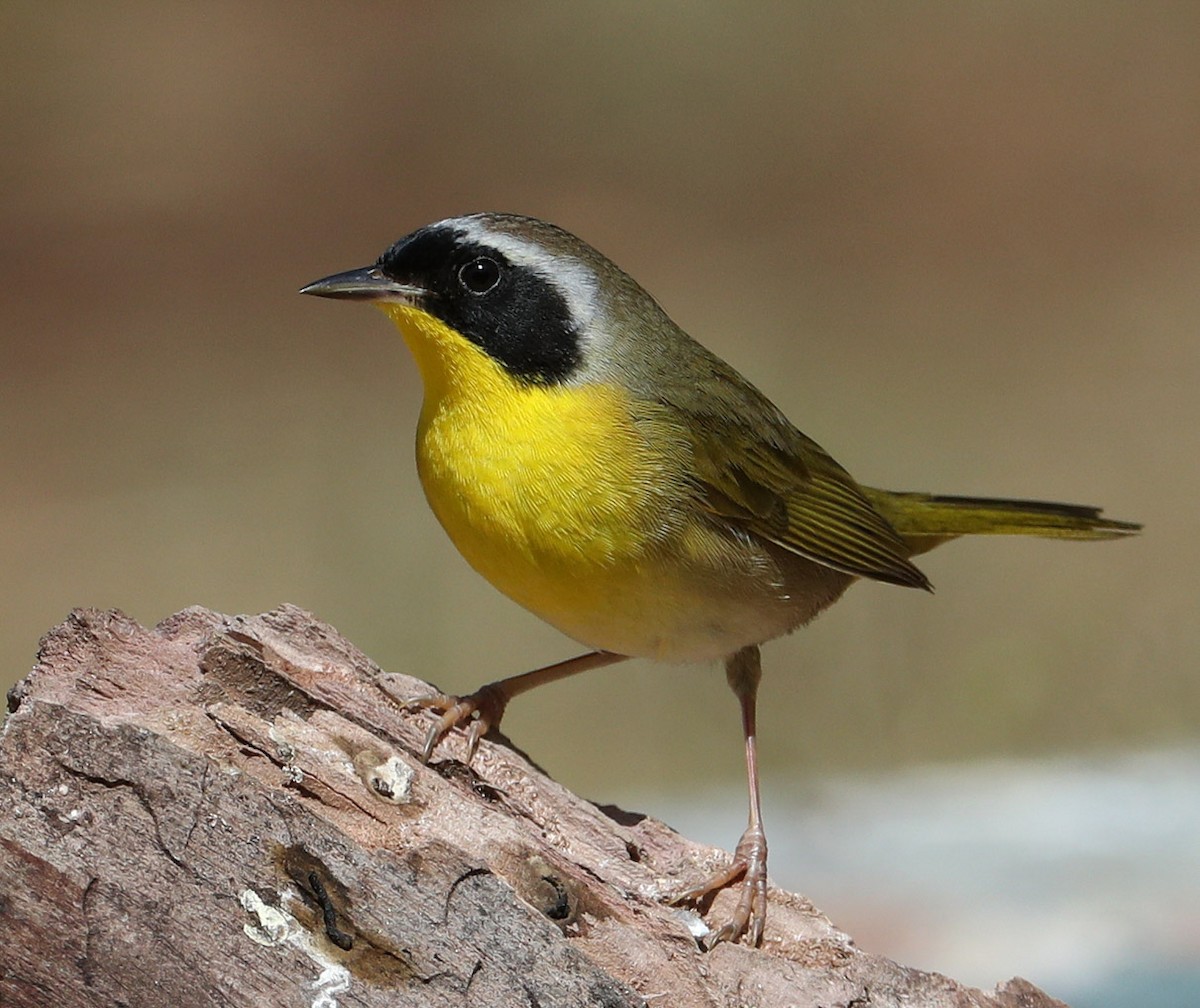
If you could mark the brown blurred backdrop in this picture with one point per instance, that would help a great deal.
(957, 243)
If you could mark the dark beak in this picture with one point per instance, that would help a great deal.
(366, 284)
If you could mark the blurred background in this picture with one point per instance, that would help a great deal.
(957, 243)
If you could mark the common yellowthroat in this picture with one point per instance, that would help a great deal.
(610, 474)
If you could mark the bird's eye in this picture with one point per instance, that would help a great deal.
(479, 275)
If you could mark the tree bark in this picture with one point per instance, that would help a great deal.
(230, 811)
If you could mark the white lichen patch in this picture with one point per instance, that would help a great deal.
(283, 745)
(334, 980)
(692, 921)
(272, 926)
(390, 780)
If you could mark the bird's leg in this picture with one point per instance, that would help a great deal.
(485, 706)
(743, 669)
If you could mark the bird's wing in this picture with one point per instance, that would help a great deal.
(781, 486)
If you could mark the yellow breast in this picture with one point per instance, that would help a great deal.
(552, 493)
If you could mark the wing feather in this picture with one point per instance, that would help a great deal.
(783, 487)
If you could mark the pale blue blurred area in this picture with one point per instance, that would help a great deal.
(1079, 873)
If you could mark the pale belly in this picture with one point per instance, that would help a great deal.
(659, 610)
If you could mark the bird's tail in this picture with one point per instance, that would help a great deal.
(925, 520)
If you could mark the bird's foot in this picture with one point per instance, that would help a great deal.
(483, 709)
(750, 866)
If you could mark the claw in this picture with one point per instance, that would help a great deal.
(750, 866)
(484, 708)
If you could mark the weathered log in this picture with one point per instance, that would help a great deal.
(229, 811)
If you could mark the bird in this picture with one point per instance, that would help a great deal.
(607, 472)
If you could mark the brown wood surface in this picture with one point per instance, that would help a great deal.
(229, 811)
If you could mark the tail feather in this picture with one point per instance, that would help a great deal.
(927, 519)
